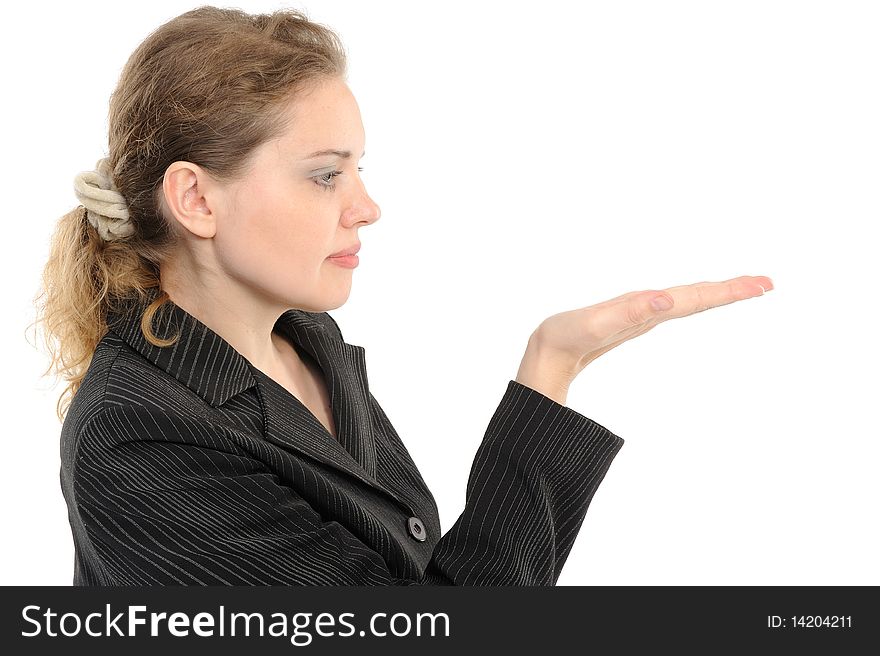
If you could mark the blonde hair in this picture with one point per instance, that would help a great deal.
(209, 86)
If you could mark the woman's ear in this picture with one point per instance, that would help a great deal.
(190, 197)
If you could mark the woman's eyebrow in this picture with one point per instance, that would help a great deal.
(341, 153)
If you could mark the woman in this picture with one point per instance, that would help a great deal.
(219, 429)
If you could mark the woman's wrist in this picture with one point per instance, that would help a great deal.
(544, 371)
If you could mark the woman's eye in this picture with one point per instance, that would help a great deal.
(325, 181)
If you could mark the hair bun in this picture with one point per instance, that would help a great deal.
(106, 208)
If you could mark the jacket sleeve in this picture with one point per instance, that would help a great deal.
(530, 485)
(164, 502)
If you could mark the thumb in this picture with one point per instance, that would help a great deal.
(661, 302)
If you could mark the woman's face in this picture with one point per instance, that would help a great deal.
(294, 209)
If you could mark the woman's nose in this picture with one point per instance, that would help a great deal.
(369, 210)
(376, 211)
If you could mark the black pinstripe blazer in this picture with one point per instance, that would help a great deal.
(186, 465)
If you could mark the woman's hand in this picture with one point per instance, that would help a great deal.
(565, 343)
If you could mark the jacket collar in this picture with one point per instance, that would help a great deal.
(213, 369)
(200, 358)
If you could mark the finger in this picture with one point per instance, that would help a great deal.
(701, 296)
(624, 314)
(635, 309)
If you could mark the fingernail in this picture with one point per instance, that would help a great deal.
(660, 303)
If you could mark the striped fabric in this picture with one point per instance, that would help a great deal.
(186, 465)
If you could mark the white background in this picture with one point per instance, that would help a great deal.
(531, 158)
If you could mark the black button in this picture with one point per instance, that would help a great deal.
(417, 529)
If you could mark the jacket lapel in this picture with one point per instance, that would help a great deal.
(211, 367)
(345, 373)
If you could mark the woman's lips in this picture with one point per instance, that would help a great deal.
(348, 261)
